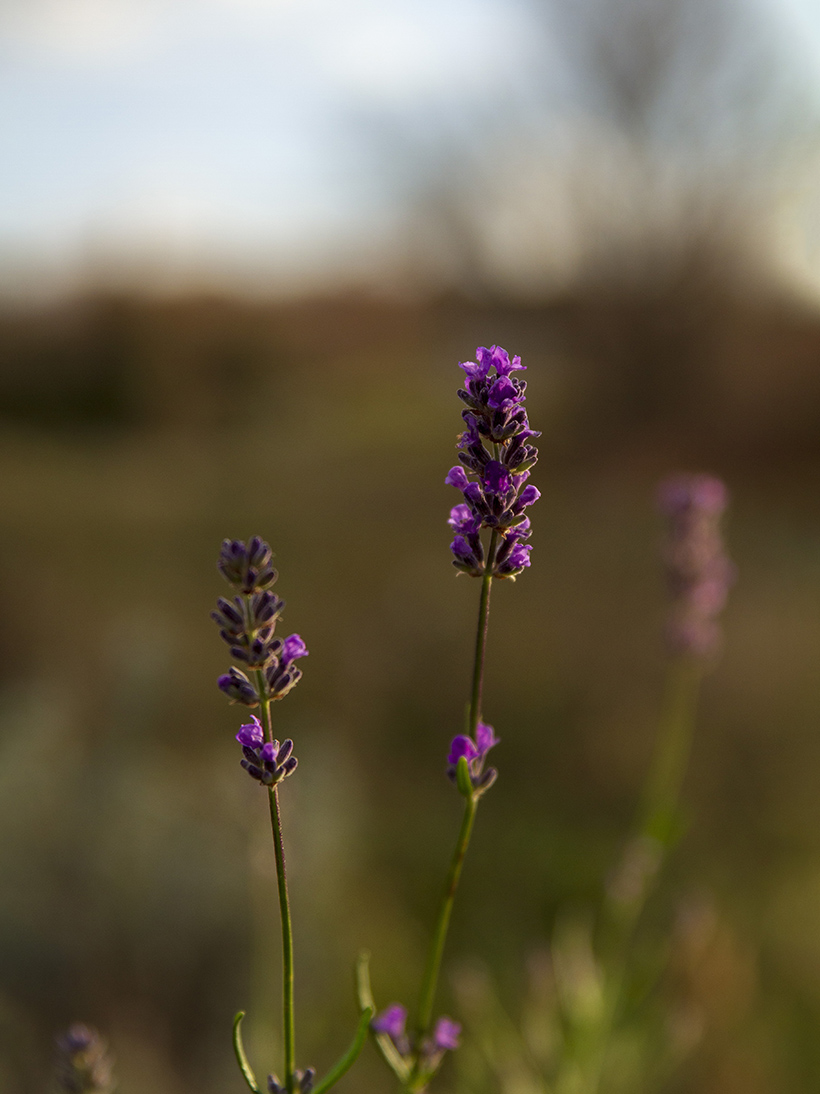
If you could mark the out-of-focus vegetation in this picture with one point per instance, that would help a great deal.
(137, 891)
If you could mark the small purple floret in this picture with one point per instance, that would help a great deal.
(456, 477)
(391, 1021)
(475, 753)
(446, 1034)
(294, 647)
(252, 735)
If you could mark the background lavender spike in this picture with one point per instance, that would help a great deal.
(494, 448)
(698, 572)
(84, 1065)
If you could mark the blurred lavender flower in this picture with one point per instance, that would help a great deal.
(698, 572)
(266, 761)
(392, 1021)
(496, 497)
(84, 1065)
(475, 752)
(446, 1034)
(247, 623)
(445, 1037)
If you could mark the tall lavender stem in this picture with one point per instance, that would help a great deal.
(288, 1010)
(431, 973)
(494, 448)
(247, 623)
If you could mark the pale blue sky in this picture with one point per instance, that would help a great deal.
(250, 136)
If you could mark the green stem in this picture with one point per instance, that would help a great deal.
(428, 985)
(289, 1033)
(481, 634)
(429, 982)
(287, 942)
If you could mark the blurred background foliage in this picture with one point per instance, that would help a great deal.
(634, 255)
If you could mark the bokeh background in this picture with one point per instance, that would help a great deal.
(243, 245)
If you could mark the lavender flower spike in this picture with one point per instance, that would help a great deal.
(247, 622)
(698, 572)
(445, 1038)
(495, 450)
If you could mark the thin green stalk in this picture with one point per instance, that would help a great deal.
(289, 1033)
(481, 634)
(428, 984)
(288, 1024)
(430, 981)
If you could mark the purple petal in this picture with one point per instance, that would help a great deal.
(485, 738)
(391, 1021)
(457, 477)
(460, 547)
(502, 392)
(292, 648)
(446, 1034)
(251, 734)
(462, 746)
(497, 479)
(473, 493)
(520, 530)
(270, 750)
(528, 495)
(519, 556)
(462, 519)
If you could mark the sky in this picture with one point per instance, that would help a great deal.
(281, 142)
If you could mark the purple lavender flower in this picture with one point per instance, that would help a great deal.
(392, 1021)
(446, 1034)
(698, 571)
(84, 1065)
(238, 688)
(475, 753)
(495, 449)
(266, 761)
(281, 674)
(247, 622)
(445, 1038)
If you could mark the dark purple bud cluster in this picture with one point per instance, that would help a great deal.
(495, 449)
(247, 623)
(698, 572)
(84, 1065)
(248, 567)
(266, 761)
(304, 1082)
(392, 1021)
(474, 752)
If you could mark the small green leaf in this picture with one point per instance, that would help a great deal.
(463, 780)
(349, 1059)
(241, 1058)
